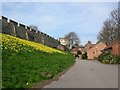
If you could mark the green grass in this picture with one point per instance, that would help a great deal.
(23, 69)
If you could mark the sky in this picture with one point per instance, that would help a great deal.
(59, 18)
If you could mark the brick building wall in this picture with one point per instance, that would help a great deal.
(116, 49)
(88, 46)
(96, 50)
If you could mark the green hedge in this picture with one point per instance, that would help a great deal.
(108, 58)
(84, 56)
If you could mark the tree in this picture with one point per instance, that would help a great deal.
(110, 30)
(73, 39)
(34, 27)
(67, 40)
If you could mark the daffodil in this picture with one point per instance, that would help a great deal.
(17, 44)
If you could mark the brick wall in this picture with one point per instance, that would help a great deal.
(116, 49)
(96, 50)
(88, 46)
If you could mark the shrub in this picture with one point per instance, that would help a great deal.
(101, 56)
(84, 56)
(108, 58)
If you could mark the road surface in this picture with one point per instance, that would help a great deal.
(88, 74)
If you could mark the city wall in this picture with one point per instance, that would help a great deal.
(25, 32)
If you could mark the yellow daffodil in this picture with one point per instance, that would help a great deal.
(17, 44)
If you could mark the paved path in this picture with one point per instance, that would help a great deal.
(88, 74)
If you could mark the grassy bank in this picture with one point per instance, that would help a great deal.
(25, 63)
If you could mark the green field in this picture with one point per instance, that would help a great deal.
(25, 62)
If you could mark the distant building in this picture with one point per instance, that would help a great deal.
(61, 47)
(64, 42)
(82, 49)
(96, 50)
(75, 49)
(113, 48)
(88, 46)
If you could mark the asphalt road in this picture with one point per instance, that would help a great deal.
(88, 74)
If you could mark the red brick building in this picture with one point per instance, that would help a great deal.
(113, 48)
(88, 46)
(96, 50)
(75, 49)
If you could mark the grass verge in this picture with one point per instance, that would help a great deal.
(25, 63)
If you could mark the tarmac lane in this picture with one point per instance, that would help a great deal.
(88, 74)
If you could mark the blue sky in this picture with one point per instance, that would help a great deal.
(58, 19)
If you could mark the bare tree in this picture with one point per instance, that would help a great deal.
(73, 39)
(110, 31)
(67, 39)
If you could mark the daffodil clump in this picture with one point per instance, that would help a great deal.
(25, 63)
(17, 44)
